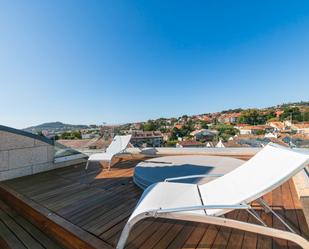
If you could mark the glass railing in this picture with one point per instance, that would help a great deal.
(64, 153)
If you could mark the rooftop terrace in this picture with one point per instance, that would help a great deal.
(94, 206)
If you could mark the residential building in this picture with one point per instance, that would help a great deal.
(89, 135)
(270, 135)
(254, 129)
(204, 134)
(166, 136)
(277, 125)
(147, 138)
(301, 128)
(190, 143)
(278, 113)
(209, 145)
(138, 126)
(220, 144)
(206, 118)
(109, 131)
(228, 118)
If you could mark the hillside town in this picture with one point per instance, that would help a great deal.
(286, 124)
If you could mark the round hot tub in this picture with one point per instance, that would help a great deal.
(158, 169)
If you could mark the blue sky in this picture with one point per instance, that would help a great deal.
(85, 62)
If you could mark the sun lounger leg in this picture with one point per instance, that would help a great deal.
(256, 216)
(269, 209)
(128, 227)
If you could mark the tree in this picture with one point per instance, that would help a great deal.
(225, 131)
(306, 116)
(204, 124)
(228, 129)
(270, 115)
(171, 143)
(291, 113)
(184, 117)
(65, 135)
(186, 129)
(76, 135)
(149, 126)
(252, 117)
(260, 132)
(175, 133)
(71, 135)
(40, 133)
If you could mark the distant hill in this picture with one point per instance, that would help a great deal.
(54, 127)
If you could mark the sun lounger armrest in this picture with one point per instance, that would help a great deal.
(202, 207)
(191, 176)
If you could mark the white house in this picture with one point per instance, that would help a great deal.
(209, 145)
(254, 129)
(301, 128)
(220, 144)
(270, 135)
(277, 125)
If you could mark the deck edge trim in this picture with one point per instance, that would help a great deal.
(61, 229)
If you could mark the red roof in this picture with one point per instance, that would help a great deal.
(241, 125)
(256, 127)
(178, 126)
(190, 143)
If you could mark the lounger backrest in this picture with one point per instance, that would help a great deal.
(118, 144)
(268, 169)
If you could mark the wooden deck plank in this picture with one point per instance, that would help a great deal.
(70, 235)
(19, 232)
(265, 241)
(182, 236)
(250, 239)
(224, 233)
(195, 236)
(209, 237)
(303, 226)
(236, 238)
(278, 207)
(9, 239)
(145, 235)
(169, 236)
(111, 218)
(289, 212)
(29, 235)
(43, 239)
(156, 237)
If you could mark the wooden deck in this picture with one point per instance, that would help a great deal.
(101, 202)
(17, 232)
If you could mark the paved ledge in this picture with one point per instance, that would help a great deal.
(141, 154)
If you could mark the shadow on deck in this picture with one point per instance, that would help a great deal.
(101, 202)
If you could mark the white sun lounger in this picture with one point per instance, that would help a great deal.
(118, 145)
(208, 203)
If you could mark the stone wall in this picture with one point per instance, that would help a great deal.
(23, 154)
